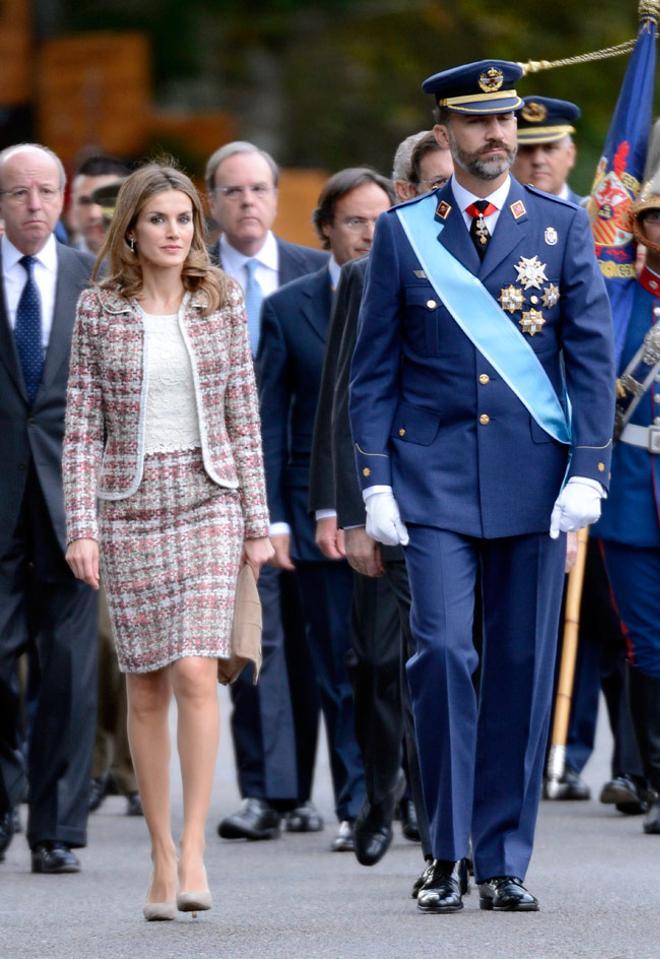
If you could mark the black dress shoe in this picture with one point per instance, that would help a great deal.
(256, 819)
(506, 894)
(98, 790)
(408, 816)
(54, 857)
(134, 805)
(422, 879)
(372, 835)
(442, 890)
(652, 818)
(305, 818)
(571, 787)
(7, 829)
(624, 793)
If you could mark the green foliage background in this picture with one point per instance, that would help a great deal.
(337, 82)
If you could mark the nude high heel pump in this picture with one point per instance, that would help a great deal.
(195, 901)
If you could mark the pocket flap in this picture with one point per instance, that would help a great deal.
(414, 424)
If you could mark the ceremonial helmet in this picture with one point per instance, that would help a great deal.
(649, 197)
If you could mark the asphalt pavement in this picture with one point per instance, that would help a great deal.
(596, 874)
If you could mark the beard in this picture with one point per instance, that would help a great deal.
(477, 164)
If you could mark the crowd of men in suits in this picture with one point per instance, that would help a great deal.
(337, 598)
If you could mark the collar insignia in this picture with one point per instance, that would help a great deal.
(518, 209)
(443, 210)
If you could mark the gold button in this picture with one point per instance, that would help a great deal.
(366, 471)
(484, 419)
(484, 378)
(402, 432)
(431, 304)
(601, 467)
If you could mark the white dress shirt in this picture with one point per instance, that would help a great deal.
(268, 264)
(464, 198)
(14, 277)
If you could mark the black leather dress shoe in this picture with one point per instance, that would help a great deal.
(652, 818)
(571, 787)
(305, 818)
(7, 829)
(506, 894)
(98, 790)
(256, 819)
(134, 805)
(442, 890)
(372, 835)
(408, 816)
(624, 793)
(54, 857)
(423, 878)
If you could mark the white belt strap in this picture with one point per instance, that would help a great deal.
(648, 437)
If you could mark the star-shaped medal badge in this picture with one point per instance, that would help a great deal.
(532, 321)
(531, 272)
(512, 298)
(550, 296)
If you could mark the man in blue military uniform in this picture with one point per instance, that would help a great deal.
(482, 302)
(546, 152)
(630, 526)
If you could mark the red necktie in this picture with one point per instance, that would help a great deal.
(479, 210)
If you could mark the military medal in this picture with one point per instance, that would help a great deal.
(550, 296)
(512, 298)
(532, 321)
(481, 230)
(550, 236)
(531, 272)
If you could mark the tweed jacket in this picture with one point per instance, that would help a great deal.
(106, 400)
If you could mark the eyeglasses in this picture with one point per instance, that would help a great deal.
(356, 223)
(235, 193)
(21, 194)
(435, 183)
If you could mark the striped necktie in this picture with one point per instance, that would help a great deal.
(253, 299)
(27, 331)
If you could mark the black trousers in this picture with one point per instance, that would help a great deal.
(42, 605)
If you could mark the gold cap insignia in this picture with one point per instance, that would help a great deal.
(443, 210)
(491, 80)
(518, 209)
(534, 112)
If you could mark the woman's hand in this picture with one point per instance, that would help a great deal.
(256, 552)
(83, 557)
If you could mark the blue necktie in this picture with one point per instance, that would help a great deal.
(27, 331)
(253, 298)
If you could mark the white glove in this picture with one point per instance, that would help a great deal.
(577, 505)
(383, 520)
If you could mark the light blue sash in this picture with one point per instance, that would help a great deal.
(483, 321)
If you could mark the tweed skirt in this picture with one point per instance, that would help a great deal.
(170, 556)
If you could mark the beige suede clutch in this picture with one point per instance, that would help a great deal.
(246, 631)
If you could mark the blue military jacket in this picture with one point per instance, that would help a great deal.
(631, 514)
(294, 323)
(432, 418)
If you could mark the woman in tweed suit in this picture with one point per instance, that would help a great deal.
(162, 429)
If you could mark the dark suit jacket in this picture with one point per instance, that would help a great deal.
(294, 323)
(295, 260)
(36, 434)
(333, 476)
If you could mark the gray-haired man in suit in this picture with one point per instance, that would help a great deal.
(40, 599)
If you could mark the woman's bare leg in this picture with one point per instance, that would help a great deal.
(195, 685)
(149, 697)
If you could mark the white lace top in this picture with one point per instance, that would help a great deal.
(171, 421)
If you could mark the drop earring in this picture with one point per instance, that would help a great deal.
(131, 244)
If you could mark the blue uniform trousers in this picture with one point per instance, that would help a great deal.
(481, 757)
(634, 572)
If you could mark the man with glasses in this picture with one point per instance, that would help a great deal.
(294, 327)
(274, 724)
(39, 596)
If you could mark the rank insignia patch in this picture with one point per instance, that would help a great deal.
(532, 321)
(550, 236)
(531, 272)
(518, 209)
(511, 298)
(550, 296)
(443, 210)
